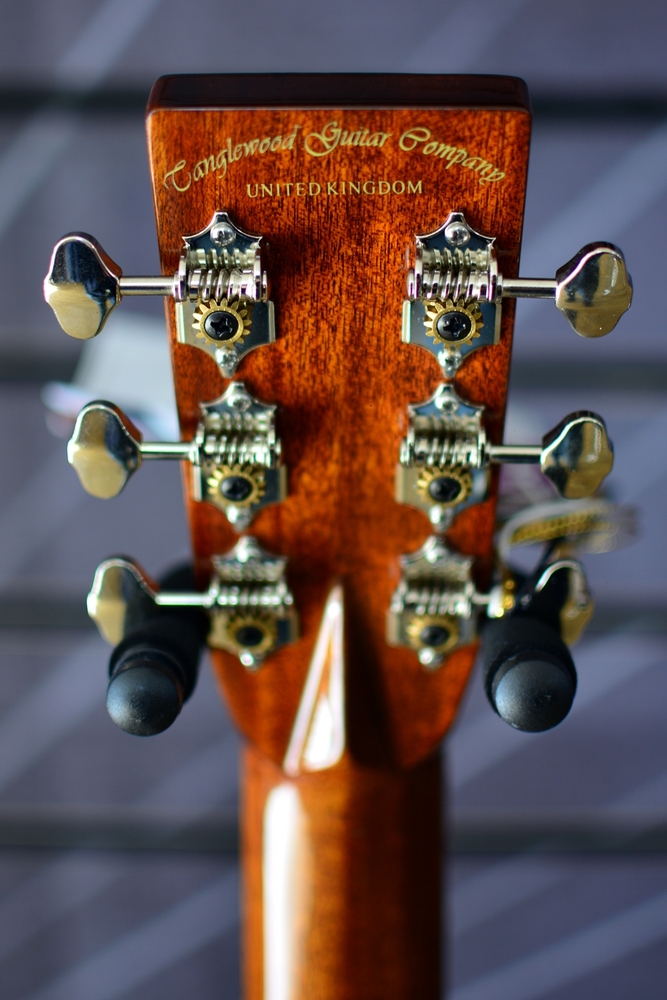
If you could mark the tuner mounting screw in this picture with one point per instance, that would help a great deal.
(450, 361)
(223, 234)
(447, 486)
(453, 323)
(457, 234)
(228, 360)
(222, 322)
(432, 636)
(240, 485)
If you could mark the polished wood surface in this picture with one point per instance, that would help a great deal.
(347, 90)
(336, 229)
(358, 913)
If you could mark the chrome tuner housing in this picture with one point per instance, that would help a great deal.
(221, 302)
(432, 610)
(451, 306)
(455, 292)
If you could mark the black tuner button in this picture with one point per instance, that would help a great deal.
(529, 675)
(145, 693)
(153, 671)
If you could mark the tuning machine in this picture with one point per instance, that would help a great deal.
(250, 605)
(234, 455)
(530, 677)
(433, 609)
(455, 292)
(220, 290)
(445, 456)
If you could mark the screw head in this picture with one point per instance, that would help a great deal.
(249, 636)
(236, 489)
(221, 324)
(450, 361)
(454, 326)
(223, 233)
(444, 489)
(237, 397)
(434, 635)
(228, 360)
(430, 658)
(458, 234)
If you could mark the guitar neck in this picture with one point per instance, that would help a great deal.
(341, 881)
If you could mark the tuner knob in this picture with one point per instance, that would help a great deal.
(529, 676)
(153, 669)
(106, 449)
(575, 456)
(84, 285)
(593, 290)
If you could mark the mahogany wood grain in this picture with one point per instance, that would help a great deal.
(342, 380)
(364, 891)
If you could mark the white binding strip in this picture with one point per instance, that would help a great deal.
(318, 736)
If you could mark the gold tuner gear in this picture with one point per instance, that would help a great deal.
(447, 486)
(241, 485)
(453, 322)
(439, 633)
(221, 322)
(256, 633)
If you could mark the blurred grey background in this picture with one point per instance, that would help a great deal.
(118, 874)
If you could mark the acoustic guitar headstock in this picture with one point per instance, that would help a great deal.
(340, 265)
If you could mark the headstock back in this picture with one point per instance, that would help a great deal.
(338, 175)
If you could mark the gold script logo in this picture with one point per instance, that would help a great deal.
(331, 137)
(422, 139)
(415, 140)
(181, 178)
